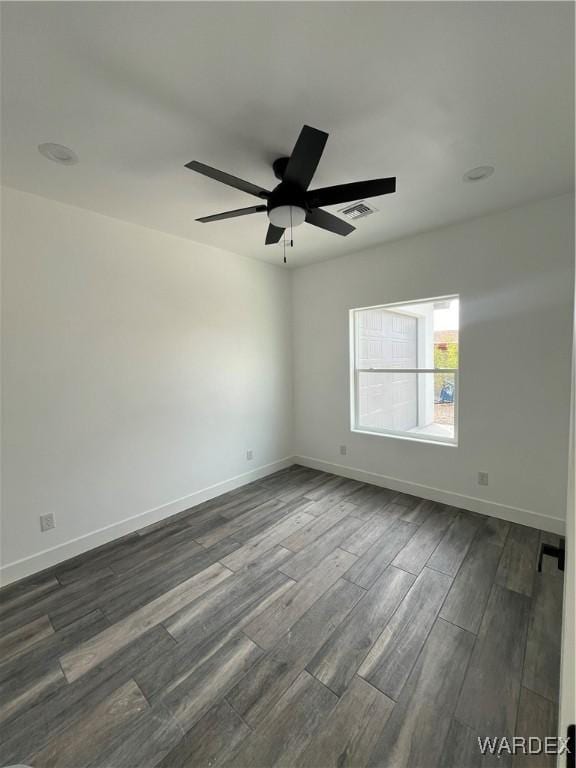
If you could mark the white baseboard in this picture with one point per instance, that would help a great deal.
(472, 503)
(50, 557)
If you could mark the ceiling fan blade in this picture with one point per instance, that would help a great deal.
(227, 178)
(305, 157)
(345, 193)
(325, 220)
(232, 214)
(274, 234)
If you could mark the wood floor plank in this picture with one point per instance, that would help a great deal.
(350, 734)
(300, 488)
(375, 560)
(363, 493)
(273, 674)
(418, 510)
(230, 526)
(210, 741)
(328, 490)
(240, 503)
(517, 565)
(93, 562)
(36, 674)
(361, 541)
(196, 646)
(469, 594)
(461, 748)
(146, 742)
(298, 566)
(63, 606)
(391, 658)
(45, 719)
(284, 734)
(286, 478)
(20, 640)
(489, 698)
(267, 628)
(196, 693)
(452, 549)
(339, 658)
(230, 599)
(317, 526)
(85, 737)
(53, 646)
(495, 531)
(271, 537)
(260, 524)
(334, 496)
(146, 549)
(24, 696)
(145, 584)
(537, 716)
(543, 646)
(414, 555)
(370, 501)
(407, 500)
(415, 733)
(20, 595)
(93, 652)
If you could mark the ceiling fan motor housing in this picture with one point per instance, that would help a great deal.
(287, 195)
(279, 167)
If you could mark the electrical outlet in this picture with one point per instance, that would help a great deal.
(47, 522)
(482, 478)
(249, 454)
(343, 450)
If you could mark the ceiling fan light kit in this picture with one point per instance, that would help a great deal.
(291, 203)
(287, 216)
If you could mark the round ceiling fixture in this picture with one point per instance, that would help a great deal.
(287, 216)
(479, 173)
(58, 153)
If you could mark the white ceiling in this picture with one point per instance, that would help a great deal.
(423, 91)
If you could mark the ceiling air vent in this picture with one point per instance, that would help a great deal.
(357, 210)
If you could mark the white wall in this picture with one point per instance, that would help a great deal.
(513, 271)
(137, 370)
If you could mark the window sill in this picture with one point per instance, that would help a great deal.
(411, 438)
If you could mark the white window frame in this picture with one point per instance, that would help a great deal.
(354, 385)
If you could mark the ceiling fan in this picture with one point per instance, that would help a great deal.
(290, 203)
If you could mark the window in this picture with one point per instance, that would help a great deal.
(405, 369)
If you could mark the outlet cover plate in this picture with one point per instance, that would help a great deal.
(47, 522)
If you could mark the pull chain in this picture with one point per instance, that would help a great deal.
(291, 237)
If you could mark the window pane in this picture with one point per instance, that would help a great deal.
(446, 322)
(419, 335)
(422, 404)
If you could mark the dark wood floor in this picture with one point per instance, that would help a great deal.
(305, 620)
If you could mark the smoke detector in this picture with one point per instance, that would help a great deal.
(358, 210)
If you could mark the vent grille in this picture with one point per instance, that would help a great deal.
(357, 210)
